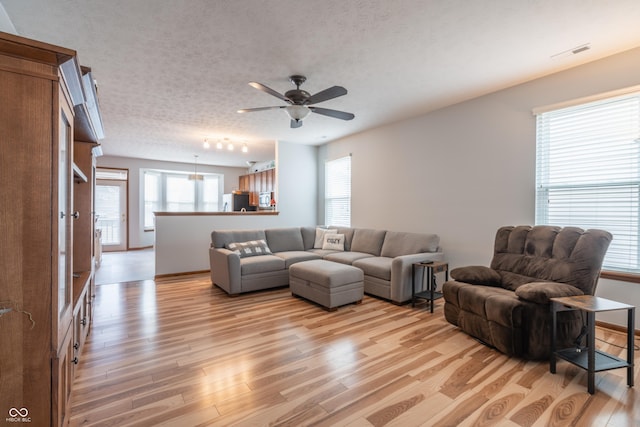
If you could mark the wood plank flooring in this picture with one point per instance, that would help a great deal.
(179, 352)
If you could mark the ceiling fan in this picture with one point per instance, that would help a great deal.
(301, 102)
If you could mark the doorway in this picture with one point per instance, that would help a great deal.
(111, 211)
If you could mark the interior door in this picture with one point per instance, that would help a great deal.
(111, 213)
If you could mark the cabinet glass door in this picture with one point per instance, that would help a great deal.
(64, 214)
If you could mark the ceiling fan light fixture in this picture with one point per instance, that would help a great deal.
(297, 112)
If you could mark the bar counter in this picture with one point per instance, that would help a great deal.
(182, 239)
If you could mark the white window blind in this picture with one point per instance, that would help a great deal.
(588, 173)
(337, 188)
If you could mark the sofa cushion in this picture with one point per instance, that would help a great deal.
(221, 238)
(346, 257)
(284, 239)
(541, 292)
(401, 243)
(320, 233)
(308, 237)
(474, 298)
(504, 309)
(333, 241)
(261, 264)
(379, 267)
(322, 252)
(348, 236)
(367, 241)
(250, 248)
(292, 257)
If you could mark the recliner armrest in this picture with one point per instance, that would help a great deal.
(477, 275)
(542, 292)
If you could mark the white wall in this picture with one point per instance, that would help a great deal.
(5, 22)
(465, 170)
(297, 175)
(138, 238)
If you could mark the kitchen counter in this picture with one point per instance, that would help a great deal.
(235, 213)
(182, 239)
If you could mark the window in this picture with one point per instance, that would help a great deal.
(337, 189)
(588, 172)
(175, 192)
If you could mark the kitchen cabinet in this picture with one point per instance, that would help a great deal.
(255, 183)
(45, 280)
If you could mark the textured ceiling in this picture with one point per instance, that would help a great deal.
(171, 73)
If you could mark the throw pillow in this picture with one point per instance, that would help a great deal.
(250, 248)
(334, 242)
(320, 232)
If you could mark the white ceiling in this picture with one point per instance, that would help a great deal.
(171, 73)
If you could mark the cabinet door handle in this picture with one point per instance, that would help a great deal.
(62, 214)
(76, 346)
(76, 215)
(75, 361)
(83, 321)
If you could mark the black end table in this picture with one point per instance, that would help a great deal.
(431, 269)
(591, 359)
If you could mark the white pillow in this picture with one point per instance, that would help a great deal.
(334, 242)
(320, 232)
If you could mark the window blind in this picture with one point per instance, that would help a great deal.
(588, 173)
(338, 192)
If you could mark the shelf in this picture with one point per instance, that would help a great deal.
(604, 361)
(78, 175)
(427, 295)
(80, 281)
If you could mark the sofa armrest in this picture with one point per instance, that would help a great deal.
(225, 269)
(401, 273)
(542, 292)
(477, 275)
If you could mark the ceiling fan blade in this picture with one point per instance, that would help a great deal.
(332, 92)
(268, 90)
(332, 113)
(296, 124)
(249, 110)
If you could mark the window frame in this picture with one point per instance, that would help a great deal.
(329, 199)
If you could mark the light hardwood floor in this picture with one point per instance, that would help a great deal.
(179, 352)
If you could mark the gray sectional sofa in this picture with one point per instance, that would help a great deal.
(250, 260)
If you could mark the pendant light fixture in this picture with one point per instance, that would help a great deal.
(194, 176)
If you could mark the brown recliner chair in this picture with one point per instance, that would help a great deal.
(506, 306)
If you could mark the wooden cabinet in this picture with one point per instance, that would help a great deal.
(44, 107)
(256, 183)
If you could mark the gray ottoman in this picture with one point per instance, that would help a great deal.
(327, 283)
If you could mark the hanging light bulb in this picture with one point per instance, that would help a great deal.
(219, 145)
(245, 149)
(230, 147)
(206, 143)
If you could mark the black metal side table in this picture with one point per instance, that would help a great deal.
(431, 268)
(591, 359)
